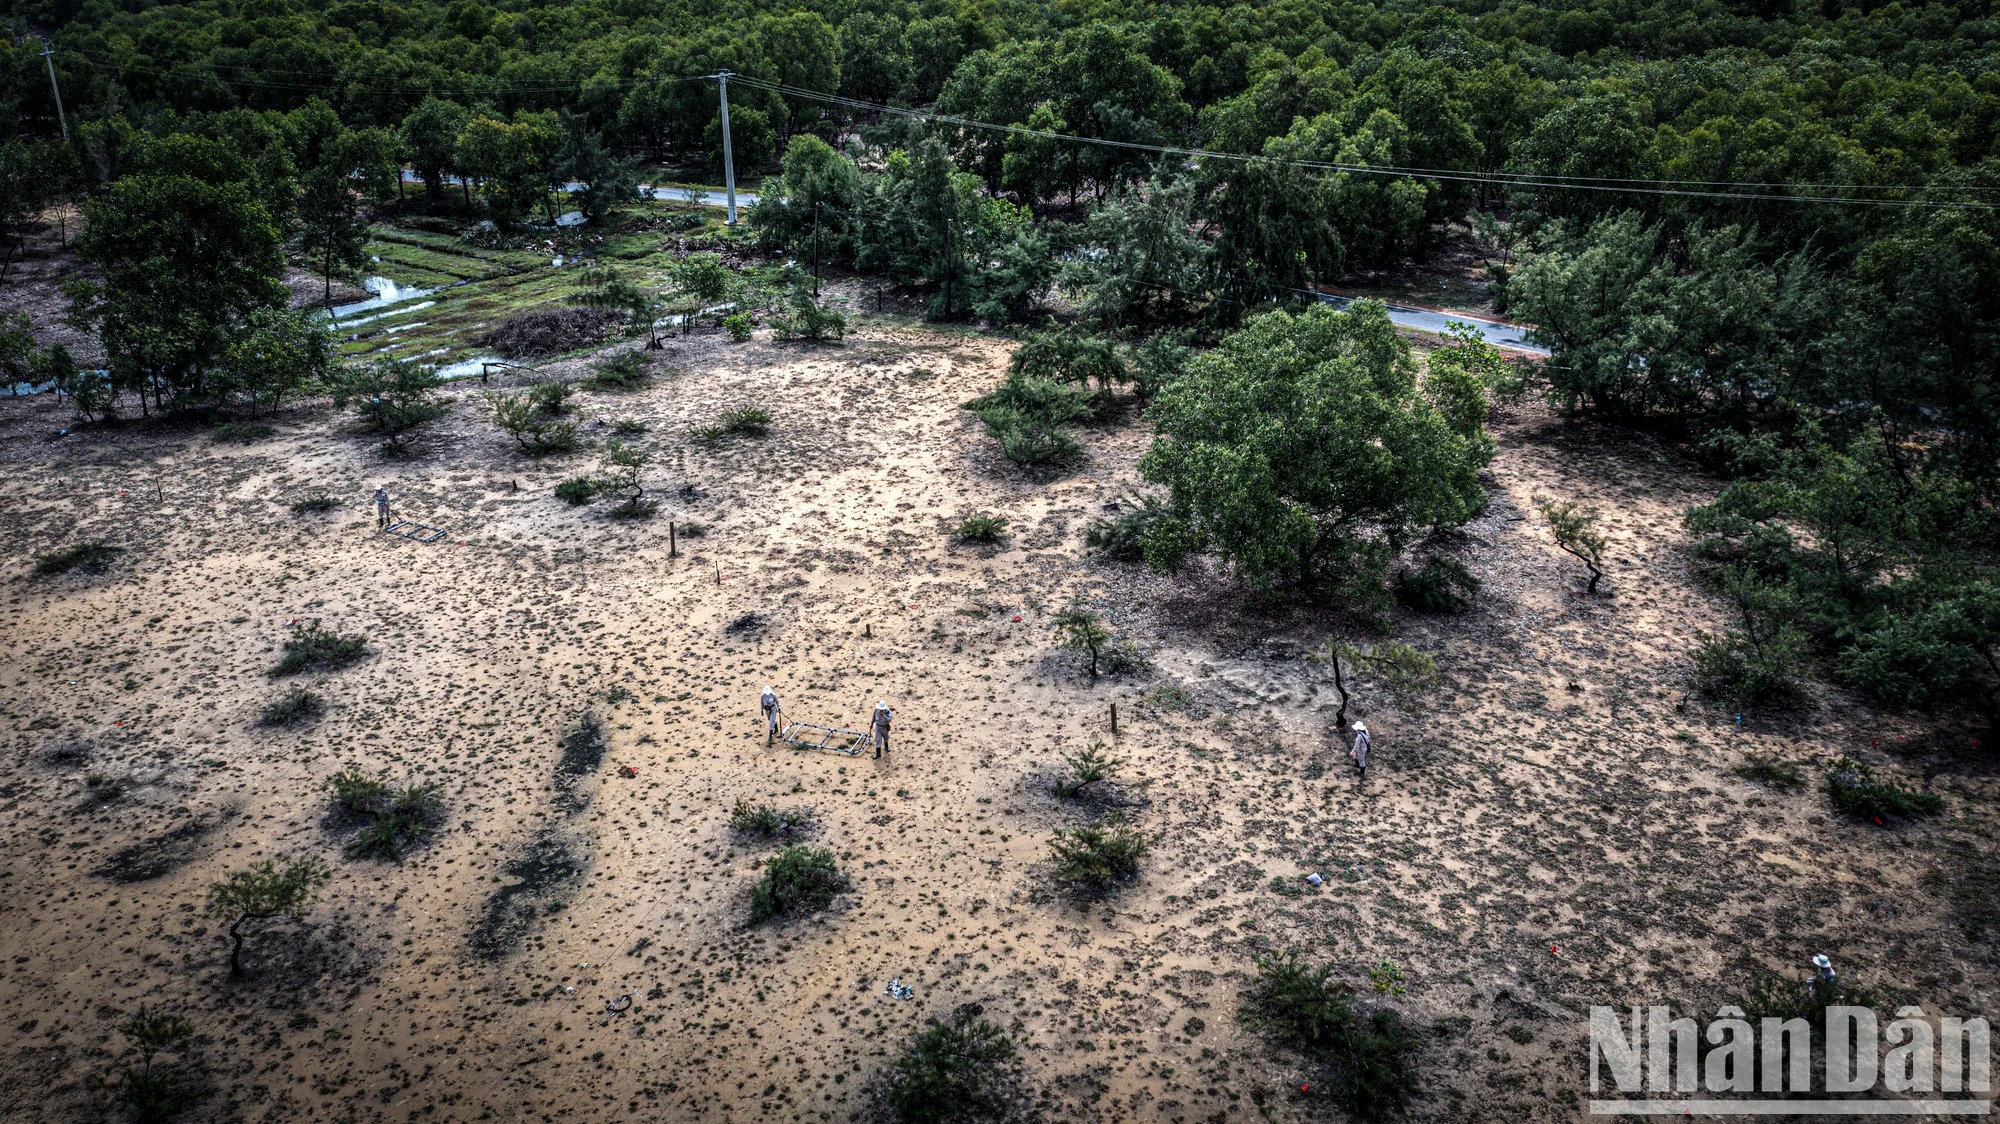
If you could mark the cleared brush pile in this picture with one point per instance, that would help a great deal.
(552, 331)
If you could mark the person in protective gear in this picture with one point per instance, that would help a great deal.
(880, 728)
(769, 701)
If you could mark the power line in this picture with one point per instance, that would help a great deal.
(1693, 189)
(566, 87)
(1519, 180)
(916, 227)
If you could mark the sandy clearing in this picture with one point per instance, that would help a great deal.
(1549, 831)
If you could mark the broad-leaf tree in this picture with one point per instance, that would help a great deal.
(185, 250)
(1304, 450)
(430, 138)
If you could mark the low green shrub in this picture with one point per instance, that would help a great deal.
(622, 471)
(1087, 766)
(1159, 361)
(981, 528)
(805, 319)
(407, 817)
(1031, 416)
(276, 887)
(1855, 791)
(1441, 585)
(1387, 978)
(1084, 632)
(396, 398)
(1370, 1054)
(956, 1068)
(536, 429)
(551, 397)
(1123, 538)
(798, 879)
(315, 505)
(357, 793)
(1768, 673)
(397, 817)
(745, 421)
(623, 371)
(89, 557)
(762, 819)
(1023, 441)
(297, 707)
(1070, 356)
(739, 325)
(577, 490)
(313, 648)
(1098, 857)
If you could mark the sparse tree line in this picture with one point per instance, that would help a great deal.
(1845, 393)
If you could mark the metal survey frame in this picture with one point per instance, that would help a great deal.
(830, 737)
(414, 531)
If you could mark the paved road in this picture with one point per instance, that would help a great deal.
(709, 198)
(1495, 332)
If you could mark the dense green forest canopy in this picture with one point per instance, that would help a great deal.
(1853, 92)
(1769, 226)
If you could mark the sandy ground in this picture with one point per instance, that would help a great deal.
(1553, 828)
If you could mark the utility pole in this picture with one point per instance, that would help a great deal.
(815, 251)
(728, 157)
(48, 57)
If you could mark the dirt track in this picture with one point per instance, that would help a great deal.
(1549, 832)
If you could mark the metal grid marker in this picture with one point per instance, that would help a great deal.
(809, 735)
